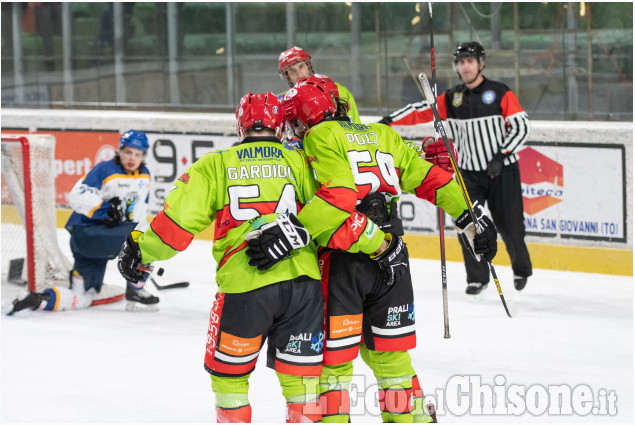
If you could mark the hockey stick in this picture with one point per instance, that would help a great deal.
(444, 279)
(425, 85)
(169, 286)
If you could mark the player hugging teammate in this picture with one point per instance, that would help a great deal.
(266, 241)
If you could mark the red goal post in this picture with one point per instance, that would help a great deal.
(29, 222)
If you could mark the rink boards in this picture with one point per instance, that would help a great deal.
(576, 178)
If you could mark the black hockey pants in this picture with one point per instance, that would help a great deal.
(505, 202)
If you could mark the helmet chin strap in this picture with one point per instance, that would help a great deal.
(473, 80)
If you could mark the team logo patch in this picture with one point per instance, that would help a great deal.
(257, 223)
(237, 346)
(457, 100)
(275, 110)
(371, 229)
(292, 144)
(342, 326)
(489, 97)
(317, 343)
(185, 178)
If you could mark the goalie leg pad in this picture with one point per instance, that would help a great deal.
(60, 299)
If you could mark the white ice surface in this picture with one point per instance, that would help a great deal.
(106, 365)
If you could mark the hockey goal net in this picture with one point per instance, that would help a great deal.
(30, 251)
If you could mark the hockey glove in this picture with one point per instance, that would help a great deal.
(115, 212)
(393, 261)
(495, 166)
(274, 241)
(129, 261)
(481, 241)
(436, 153)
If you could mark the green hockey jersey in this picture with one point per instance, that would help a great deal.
(240, 188)
(353, 160)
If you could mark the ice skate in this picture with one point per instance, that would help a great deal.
(476, 290)
(141, 300)
(27, 300)
(520, 282)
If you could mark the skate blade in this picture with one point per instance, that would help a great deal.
(142, 308)
(476, 298)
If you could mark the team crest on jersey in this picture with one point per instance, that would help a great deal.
(185, 178)
(489, 97)
(457, 100)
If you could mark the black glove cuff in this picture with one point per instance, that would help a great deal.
(464, 220)
(394, 223)
(499, 157)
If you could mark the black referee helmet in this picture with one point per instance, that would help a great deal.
(471, 49)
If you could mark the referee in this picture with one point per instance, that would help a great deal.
(488, 127)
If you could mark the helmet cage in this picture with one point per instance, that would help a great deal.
(291, 57)
(296, 127)
(306, 105)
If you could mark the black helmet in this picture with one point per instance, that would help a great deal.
(469, 50)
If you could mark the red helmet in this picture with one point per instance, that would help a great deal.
(291, 57)
(323, 81)
(258, 111)
(306, 105)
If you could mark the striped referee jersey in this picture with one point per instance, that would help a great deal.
(482, 121)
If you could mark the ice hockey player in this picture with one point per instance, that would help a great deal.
(489, 127)
(108, 202)
(258, 184)
(295, 63)
(362, 170)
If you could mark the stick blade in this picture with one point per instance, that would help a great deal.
(170, 285)
(427, 90)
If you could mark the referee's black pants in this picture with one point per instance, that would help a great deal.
(505, 201)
